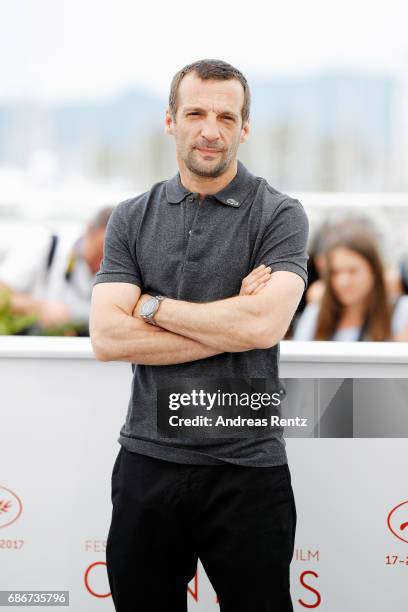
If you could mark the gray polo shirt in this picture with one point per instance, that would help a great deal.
(169, 242)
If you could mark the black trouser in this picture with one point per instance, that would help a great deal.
(240, 521)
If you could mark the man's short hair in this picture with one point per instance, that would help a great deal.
(210, 69)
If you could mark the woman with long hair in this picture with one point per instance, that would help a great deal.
(355, 304)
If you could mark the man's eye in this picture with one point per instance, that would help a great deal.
(193, 113)
(227, 118)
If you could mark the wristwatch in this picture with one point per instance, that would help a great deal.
(150, 307)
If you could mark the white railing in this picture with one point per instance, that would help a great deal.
(297, 359)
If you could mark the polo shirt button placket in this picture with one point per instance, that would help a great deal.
(190, 199)
(193, 199)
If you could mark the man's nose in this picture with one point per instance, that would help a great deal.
(209, 129)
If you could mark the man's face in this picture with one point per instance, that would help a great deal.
(208, 125)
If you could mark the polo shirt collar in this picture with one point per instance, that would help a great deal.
(175, 190)
(232, 195)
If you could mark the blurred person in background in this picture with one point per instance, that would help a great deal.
(403, 269)
(315, 267)
(332, 226)
(355, 304)
(334, 223)
(52, 282)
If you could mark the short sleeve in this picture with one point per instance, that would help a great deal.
(284, 243)
(118, 262)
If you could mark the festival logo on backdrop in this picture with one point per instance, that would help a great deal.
(397, 521)
(10, 507)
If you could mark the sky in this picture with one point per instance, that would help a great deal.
(59, 51)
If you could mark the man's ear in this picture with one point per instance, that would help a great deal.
(244, 131)
(169, 123)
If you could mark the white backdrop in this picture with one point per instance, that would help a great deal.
(61, 411)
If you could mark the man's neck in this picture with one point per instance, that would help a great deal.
(204, 185)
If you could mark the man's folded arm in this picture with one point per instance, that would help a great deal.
(239, 323)
(116, 335)
(196, 330)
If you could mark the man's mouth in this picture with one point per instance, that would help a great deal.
(206, 151)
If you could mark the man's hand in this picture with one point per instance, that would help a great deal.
(255, 280)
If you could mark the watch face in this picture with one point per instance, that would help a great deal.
(148, 307)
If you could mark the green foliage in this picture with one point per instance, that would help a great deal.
(12, 323)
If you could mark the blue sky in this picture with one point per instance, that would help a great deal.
(59, 50)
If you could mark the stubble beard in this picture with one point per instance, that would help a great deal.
(209, 171)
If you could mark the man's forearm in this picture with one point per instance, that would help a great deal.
(230, 324)
(131, 339)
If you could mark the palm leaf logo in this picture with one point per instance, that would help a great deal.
(4, 505)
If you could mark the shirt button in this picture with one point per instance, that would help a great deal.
(190, 199)
(189, 231)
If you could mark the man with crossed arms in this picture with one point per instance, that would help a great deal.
(200, 278)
